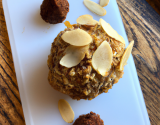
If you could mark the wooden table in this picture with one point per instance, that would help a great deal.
(142, 23)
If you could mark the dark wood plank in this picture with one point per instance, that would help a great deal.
(11, 112)
(155, 4)
(142, 23)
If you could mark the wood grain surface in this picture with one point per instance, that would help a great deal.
(11, 112)
(155, 4)
(142, 23)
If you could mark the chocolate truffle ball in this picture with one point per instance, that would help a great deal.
(54, 11)
(89, 119)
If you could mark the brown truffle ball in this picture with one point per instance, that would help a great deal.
(89, 119)
(54, 11)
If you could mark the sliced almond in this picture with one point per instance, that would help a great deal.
(126, 55)
(110, 31)
(65, 111)
(86, 20)
(73, 56)
(102, 58)
(77, 37)
(104, 3)
(94, 7)
(68, 25)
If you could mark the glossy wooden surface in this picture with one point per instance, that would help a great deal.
(142, 23)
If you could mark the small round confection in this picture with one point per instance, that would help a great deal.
(89, 119)
(54, 11)
(83, 81)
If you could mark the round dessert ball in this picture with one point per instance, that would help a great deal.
(89, 119)
(54, 11)
(83, 81)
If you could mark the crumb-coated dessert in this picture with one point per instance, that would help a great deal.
(54, 11)
(89, 119)
(85, 61)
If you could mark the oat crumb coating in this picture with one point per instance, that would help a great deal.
(82, 81)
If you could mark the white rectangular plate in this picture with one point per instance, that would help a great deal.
(31, 38)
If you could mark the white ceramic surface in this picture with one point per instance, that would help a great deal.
(31, 38)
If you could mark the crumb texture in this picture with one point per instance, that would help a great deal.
(54, 11)
(89, 119)
(82, 81)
